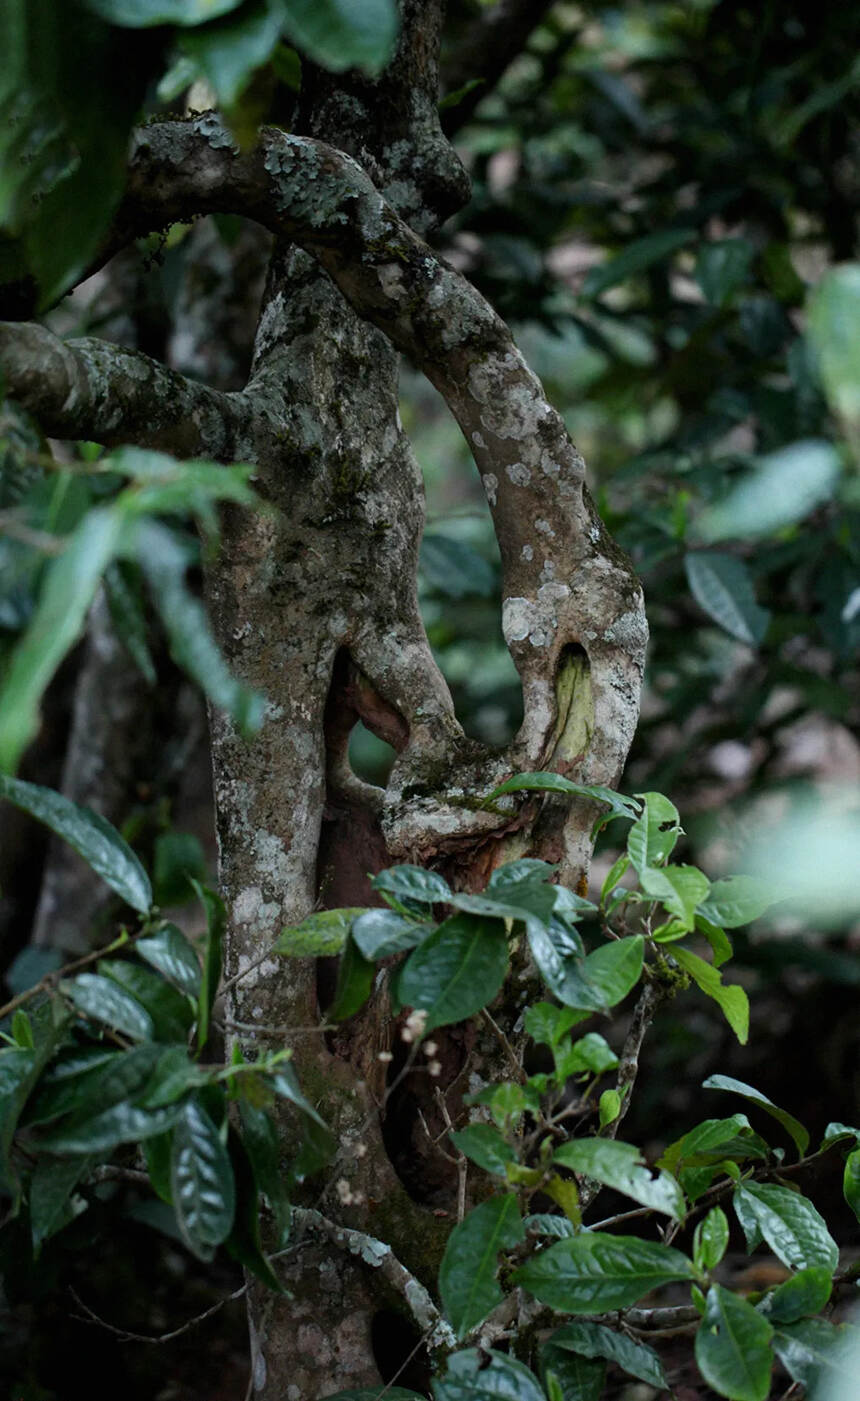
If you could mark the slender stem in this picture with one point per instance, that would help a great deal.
(50, 980)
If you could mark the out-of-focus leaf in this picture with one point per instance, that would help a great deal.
(128, 618)
(139, 13)
(722, 586)
(337, 35)
(229, 52)
(722, 267)
(454, 569)
(782, 488)
(178, 859)
(820, 1355)
(639, 255)
(485, 1146)
(834, 329)
(737, 900)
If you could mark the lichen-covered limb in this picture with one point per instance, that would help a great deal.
(564, 582)
(91, 389)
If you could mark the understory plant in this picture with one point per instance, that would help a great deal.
(109, 1069)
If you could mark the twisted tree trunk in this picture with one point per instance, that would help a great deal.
(315, 604)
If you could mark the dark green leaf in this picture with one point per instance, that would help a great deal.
(593, 1273)
(722, 586)
(792, 1126)
(178, 859)
(170, 1011)
(732, 1347)
(123, 1123)
(467, 1275)
(637, 257)
(805, 1293)
(51, 1185)
(593, 1340)
(711, 1239)
(244, 1241)
(413, 883)
(455, 569)
(485, 1146)
(456, 971)
(337, 35)
(543, 1224)
(101, 999)
(470, 1377)
(321, 935)
(547, 1023)
(85, 1082)
(170, 952)
(722, 267)
(619, 1165)
(158, 1150)
(92, 837)
(216, 918)
(554, 783)
(139, 13)
(713, 1140)
(229, 52)
(371, 1393)
(792, 1227)
(202, 1184)
(355, 976)
(652, 837)
(128, 618)
(174, 1075)
(18, 1072)
(577, 1378)
(815, 1351)
(260, 1137)
(851, 1181)
(381, 933)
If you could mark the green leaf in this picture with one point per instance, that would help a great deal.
(202, 1184)
(637, 257)
(737, 900)
(178, 860)
(216, 919)
(679, 888)
(814, 1352)
(128, 618)
(620, 1166)
(615, 968)
(355, 976)
(170, 1011)
(547, 1023)
(123, 1123)
(68, 589)
(318, 1143)
(851, 1181)
(609, 1107)
(712, 1140)
(455, 569)
(101, 999)
(467, 1275)
(228, 53)
(87, 1081)
(413, 883)
(781, 489)
(382, 933)
(570, 1376)
(543, 1224)
(732, 1347)
(470, 1377)
(722, 267)
(53, 1181)
(652, 837)
(90, 835)
(721, 945)
(174, 1075)
(19, 1071)
(594, 1340)
(807, 1292)
(485, 1146)
(732, 1001)
(137, 14)
(244, 1241)
(722, 586)
(793, 1228)
(591, 1052)
(337, 35)
(371, 1393)
(321, 935)
(554, 783)
(792, 1126)
(711, 1239)
(456, 971)
(260, 1137)
(192, 644)
(834, 318)
(595, 1273)
(157, 1152)
(170, 952)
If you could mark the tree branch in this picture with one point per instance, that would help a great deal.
(94, 390)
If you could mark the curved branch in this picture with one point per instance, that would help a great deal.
(94, 390)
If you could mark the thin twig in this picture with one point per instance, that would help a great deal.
(508, 1048)
(126, 1336)
(50, 980)
(462, 1160)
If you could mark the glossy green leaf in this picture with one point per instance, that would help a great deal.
(101, 999)
(68, 589)
(594, 1340)
(485, 1146)
(321, 935)
(469, 1376)
(732, 1347)
(229, 52)
(851, 1181)
(722, 267)
(595, 1273)
(467, 1275)
(170, 1011)
(455, 569)
(456, 971)
(591, 1052)
(620, 1166)
(192, 644)
(382, 933)
(711, 1239)
(18, 1072)
(636, 257)
(260, 1137)
(175, 1073)
(157, 1152)
(792, 1126)
(413, 883)
(834, 318)
(652, 837)
(608, 1107)
(547, 1023)
(171, 953)
(793, 1228)
(122, 1123)
(244, 1242)
(781, 489)
(806, 1293)
(89, 834)
(721, 584)
(371, 1393)
(681, 889)
(337, 35)
(543, 1224)
(202, 1184)
(86, 1082)
(355, 976)
(737, 900)
(712, 1140)
(139, 13)
(216, 919)
(732, 1001)
(571, 1376)
(819, 1354)
(53, 1181)
(555, 783)
(615, 968)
